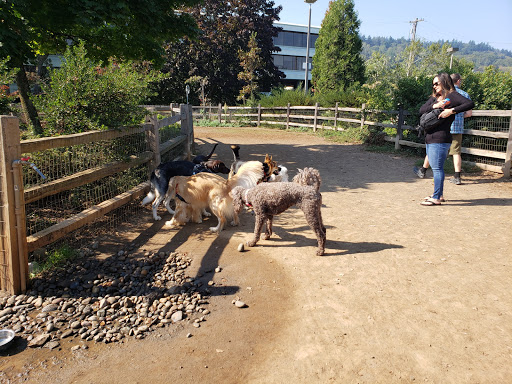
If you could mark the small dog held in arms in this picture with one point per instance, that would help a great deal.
(269, 199)
(162, 175)
(205, 190)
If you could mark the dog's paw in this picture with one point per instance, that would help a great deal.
(214, 229)
(320, 252)
(234, 223)
(266, 236)
(157, 218)
(171, 223)
(250, 243)
(206, 214)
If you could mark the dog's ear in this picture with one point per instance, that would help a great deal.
(236, 194)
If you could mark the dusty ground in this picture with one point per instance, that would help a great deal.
(405, 293)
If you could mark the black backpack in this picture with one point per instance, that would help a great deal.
(429, 121)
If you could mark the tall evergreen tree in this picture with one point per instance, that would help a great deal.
(337, 62)
(226, 28)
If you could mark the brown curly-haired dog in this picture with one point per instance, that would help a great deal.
(269, 199)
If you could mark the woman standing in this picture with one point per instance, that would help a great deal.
(439, 139)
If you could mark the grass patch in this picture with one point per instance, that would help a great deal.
(55, 259)
(348, 135)
(216, 123)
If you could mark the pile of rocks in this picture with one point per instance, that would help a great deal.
(105, 300)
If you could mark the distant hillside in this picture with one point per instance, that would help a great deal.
(482, 54)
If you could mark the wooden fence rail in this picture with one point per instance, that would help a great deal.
(14, 243)
(316, 117)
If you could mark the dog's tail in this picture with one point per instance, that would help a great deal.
(308, 176)
(236, 155)
(248, 175)
(151, 195)
(149, 198)
(211, 153)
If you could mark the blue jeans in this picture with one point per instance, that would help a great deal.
(437, 154)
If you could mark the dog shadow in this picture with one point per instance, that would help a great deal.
(332, 247)
(210, 258)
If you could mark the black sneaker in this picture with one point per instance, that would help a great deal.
(419, 172)
(455, 180)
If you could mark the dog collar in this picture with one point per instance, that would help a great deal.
(246, 202)
(178, 195)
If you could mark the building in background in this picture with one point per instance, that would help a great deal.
(291, 59)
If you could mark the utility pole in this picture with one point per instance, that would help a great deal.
(413, 38)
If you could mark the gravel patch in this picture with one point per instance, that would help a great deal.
(105, 301)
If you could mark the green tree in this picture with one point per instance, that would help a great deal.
(251, 63)
(83, 95)
(226, 27)
(337, 62)
(491, 89)
(123, 28)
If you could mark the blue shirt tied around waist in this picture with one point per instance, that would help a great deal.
(457, 126)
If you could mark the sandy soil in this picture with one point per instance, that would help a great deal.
(404, 293)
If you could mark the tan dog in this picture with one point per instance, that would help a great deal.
(195, 193)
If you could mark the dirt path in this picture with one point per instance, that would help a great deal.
(405, 293)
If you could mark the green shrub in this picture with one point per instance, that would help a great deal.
(280, 97)
(83, 95)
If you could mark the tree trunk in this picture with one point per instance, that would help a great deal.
(28, 108)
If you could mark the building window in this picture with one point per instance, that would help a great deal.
(293, 63)
(294, 39)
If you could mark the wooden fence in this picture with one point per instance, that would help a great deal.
(488, 133)
(15, 245)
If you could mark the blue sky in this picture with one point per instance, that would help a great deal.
(483, 21)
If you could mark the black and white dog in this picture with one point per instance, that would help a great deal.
(163, 174)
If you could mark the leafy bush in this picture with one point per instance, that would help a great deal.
(280, 97)
(82, 95)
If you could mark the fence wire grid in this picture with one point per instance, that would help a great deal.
(66, 161)
(488, 124)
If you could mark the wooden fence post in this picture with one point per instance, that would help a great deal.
(363, 117)
(288, 116)
(219, 112)
(508, 155)
(259, 115)
(153, 139)
(13, 255)
(316, 117)
(336, 116)
(399, 131)
(184, 112)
